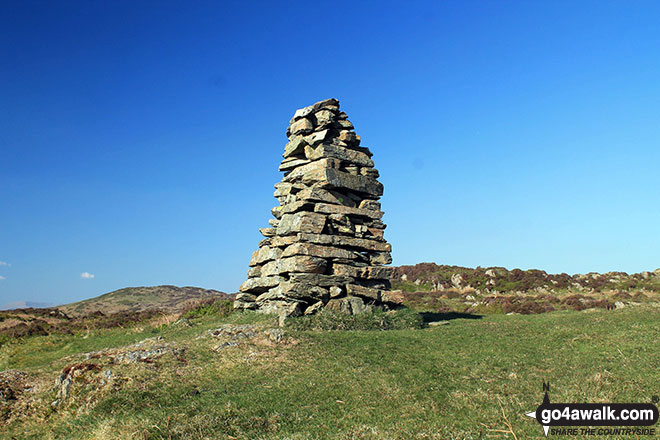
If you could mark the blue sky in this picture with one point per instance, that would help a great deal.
(139, 141)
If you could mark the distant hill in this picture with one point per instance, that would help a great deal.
(170, 299)
(25, 305)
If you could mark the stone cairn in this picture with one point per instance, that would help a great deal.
(325, 246)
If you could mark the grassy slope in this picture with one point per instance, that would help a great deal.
(462, 380)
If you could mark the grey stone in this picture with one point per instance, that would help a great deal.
(267, 232)
(334, 178)
(323, 118)
(348, 242)
(289, 164)
(285, 308)
(297, 291)
(313, 172)
(325, 208)
(339, 305)
(296, 206)
(314, 308)
(264, 254)
(285, 188)
(373, 205)
(302, 126)
(321, 280)
(349, 137)
(315, 138)
(298, 263)
(295, 146)
(378, 272)
(277, 211)
(284, 241)
(369, 272)
(344, 124)
(224, 345)
(350, 305)
(254, 272)
(365, 292)
(307, 222)
(336, 291)
(344, 154)
(393, 297)
(323, 195)
(331, 104)
(346, 270)
(380, 258)
(245, 297)
(370, 172)
(275, 334)
(358, 306)
(316, 250)
(261, 284)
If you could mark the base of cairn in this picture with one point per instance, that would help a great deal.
(324, 247)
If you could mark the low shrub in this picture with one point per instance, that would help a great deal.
(621, 295)
(451, 294)
(639, 296)
(209, 307)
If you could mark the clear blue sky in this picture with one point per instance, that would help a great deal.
(139, 141)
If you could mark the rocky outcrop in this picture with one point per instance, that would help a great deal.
(325, 245)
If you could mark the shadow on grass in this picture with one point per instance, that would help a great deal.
(433, 316)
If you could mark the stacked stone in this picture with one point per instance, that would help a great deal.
(325, 246)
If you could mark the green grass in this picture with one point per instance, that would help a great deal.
(219, 308)
(41, 354)
(464, 380)
(404, 319)
(409, 286)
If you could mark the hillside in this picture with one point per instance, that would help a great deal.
(115, 309)
(238, 376)
(168, 299)
(433, 277)
(439, 288)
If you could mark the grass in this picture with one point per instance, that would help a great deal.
(211, 307)
(404, 319)
(470, 379)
